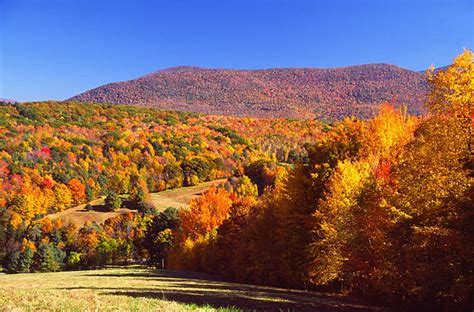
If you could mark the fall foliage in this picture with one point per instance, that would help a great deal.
(379, 208)
(324, 93)
(382, 209)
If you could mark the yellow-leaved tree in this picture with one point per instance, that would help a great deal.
(433, 250)
(452, 93)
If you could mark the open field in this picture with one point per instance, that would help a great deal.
(80, 215)
(177, 198)
(180, 197)
(141, 289)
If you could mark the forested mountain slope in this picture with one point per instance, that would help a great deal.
(332, 93)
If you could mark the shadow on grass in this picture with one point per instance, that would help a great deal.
(103, 208)
(202, 289)
(163, 274)
(98, 208)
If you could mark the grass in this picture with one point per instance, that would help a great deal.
(140, 289)
(177, 198)
(80, 215)
(180, 197)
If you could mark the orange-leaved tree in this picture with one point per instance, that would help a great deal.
(197, 226)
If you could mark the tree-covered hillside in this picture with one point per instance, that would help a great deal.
(329, 94)
(54, 156)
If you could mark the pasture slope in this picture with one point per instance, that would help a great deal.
(177, 198)
(140, 289)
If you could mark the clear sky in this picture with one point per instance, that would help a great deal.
(54, 49)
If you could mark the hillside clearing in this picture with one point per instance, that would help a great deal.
(138, 288)
(180, 197)
(177, 198)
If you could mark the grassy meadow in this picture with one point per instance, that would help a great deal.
(140, 289)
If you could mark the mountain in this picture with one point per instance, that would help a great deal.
(332, 93)
(437, 69)
(7, 101)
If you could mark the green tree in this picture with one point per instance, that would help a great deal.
(19, 261)
(106, 251)
(158, 236)
(49, 258)
(113, 201)
(73, 260)
(246, 187)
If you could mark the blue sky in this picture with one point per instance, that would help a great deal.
(54, 49)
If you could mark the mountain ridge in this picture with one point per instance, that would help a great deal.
(2, 100)
(325, 93)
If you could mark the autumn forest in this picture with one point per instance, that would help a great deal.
(380, 208)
